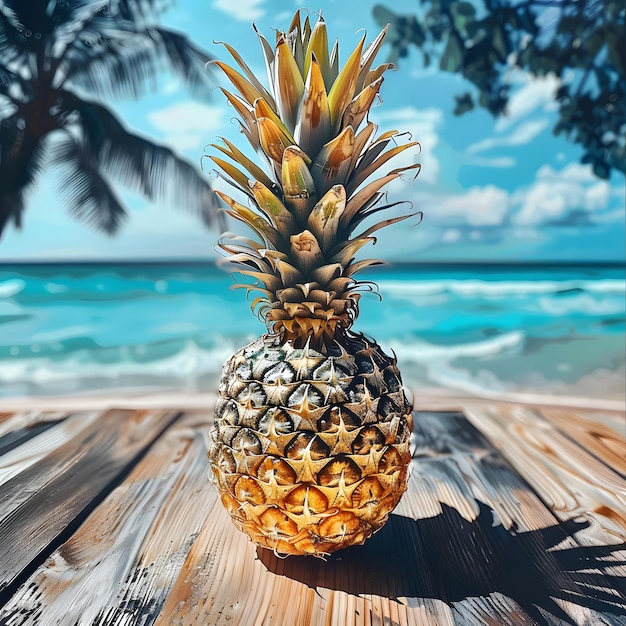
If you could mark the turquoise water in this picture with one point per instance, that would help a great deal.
(68, 329)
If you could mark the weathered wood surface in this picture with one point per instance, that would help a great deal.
(604, 436)
(513, 516)
(44, 500)
(572, 482)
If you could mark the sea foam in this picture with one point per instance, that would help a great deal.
(500, 288)
(10, 288)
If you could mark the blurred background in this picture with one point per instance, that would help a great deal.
(513, 283)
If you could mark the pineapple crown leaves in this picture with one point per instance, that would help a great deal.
(311, 126)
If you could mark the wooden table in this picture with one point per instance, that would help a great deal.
(514, 515)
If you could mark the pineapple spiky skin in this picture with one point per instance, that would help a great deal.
(310, 451)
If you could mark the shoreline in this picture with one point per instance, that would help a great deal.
(431, 399)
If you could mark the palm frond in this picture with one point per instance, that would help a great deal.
(9, 81)
(22, 158)
(10, 27)
(185, 60)
(13, 43)
(71, 27)
(141, 9)
(119, 66)
(11, 208)
(121, 58)
(108, 48)
(154, 171)
(88, 194)
(34, 14)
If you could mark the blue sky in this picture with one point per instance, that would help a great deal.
(501, 190)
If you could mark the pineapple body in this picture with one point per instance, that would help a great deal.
(310, 450)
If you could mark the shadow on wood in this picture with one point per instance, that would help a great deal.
(449, 558)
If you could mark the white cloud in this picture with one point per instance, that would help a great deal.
(451, 235)
(422, 125)
(172, 86)
(241, 10)
(522, 135)
(556, 194)
(492, 162)
(478, 206)
(535, 93)
(188, 125)
(597, 195)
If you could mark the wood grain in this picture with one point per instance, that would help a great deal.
(572, 482)
(493, 558)
(595, 432)
(118, 567)
(42, 501)
(583, 494)
(18, 425)
(27, 444)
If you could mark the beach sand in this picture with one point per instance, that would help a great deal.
(606, 397)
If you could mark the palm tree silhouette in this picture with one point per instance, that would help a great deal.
(53, 53)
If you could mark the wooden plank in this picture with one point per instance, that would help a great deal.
(582, 493)
(29, 445)
(219, 578)
(615, 420)
(18, 425)
(6, 415)
(488, 538)
(40, 503)
(119, 565)
(470, 543)
(571, 481)
(594, 432)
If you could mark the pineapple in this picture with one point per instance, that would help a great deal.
(310, 449)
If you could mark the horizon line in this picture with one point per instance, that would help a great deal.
(419, 263)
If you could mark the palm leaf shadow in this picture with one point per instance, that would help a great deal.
(450, 558)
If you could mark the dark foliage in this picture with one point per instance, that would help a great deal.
(52, 53)
(582, 42)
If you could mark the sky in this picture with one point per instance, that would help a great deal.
(503, 190)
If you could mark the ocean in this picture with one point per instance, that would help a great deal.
(70, 329)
